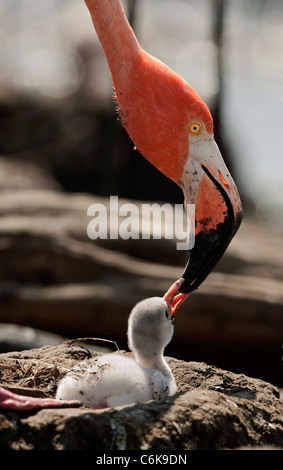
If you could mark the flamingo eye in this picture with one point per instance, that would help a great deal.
(195, 128)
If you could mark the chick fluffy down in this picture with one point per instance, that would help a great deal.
(112, 380)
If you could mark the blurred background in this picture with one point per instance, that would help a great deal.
(62, 149)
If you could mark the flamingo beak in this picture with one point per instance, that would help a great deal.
(218, 210)
(173, 299)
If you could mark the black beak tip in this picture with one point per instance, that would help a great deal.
(208, 249)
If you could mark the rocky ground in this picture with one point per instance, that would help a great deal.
(213, 409)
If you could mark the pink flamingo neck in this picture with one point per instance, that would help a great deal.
(115, 34)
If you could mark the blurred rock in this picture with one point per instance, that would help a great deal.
(19, 175)
(18, 338)
(213, 409)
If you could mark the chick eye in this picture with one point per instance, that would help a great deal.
(166, 314)
(195, 127)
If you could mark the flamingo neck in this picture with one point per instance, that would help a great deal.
(115, 34)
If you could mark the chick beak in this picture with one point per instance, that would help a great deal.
(174, 298)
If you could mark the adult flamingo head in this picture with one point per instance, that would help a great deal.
(172, 127)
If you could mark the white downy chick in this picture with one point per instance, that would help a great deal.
(113, 379)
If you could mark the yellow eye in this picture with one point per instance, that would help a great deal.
(195, 127)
